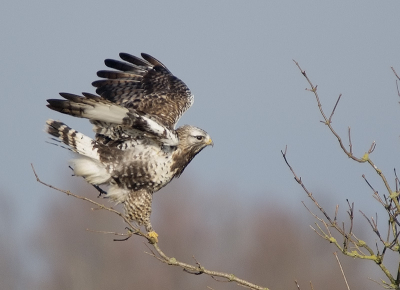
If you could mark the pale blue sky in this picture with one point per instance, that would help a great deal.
(236, 57)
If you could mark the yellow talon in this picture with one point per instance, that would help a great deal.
(153, 236)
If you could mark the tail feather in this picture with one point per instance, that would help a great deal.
(76, 141)
(88, 163)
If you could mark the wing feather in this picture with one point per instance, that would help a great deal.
(120, 65)
(146, 86)
(116, 85)
(111, 74)
(134, 60)
(153, 60)
(116, 117)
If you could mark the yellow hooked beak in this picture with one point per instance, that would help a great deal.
(210, 142)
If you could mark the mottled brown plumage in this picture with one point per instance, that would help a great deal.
(136, 150)
(145, 86)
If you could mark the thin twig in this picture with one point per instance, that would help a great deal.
(372, 148)
(299, 181)
(350, 144)
(341, 269)
(334, 108)
(297, 284)
(398, 78)
(128, 235)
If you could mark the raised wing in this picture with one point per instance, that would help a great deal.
(146, 86)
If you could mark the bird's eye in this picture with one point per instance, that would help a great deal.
(199, 138)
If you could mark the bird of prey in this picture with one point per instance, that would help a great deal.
(136, 150)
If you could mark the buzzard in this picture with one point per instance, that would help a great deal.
(136, 150)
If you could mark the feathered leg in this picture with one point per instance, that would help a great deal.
(138, 208)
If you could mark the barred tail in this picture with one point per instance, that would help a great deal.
(76, 141)
(88, 164)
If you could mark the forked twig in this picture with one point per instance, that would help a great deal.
(365, 158)
(134, 229)
(397, 83)
(334, 108)
(390, 202)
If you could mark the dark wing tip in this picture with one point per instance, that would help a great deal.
(119, 65)
(97, 83)
(55, 104)
(103, 74)
(52, 101)
(152, 60)
(134, 60)
(101, 87)
(69, 96)
(90, 96)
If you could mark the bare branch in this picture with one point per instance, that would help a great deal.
(391, 204)
(326, 120)
(158, 253)
(134, 229)
(397, 83)
(350, 144)
(299, 181)
(297, 284)
(334, 108)
(396, 179)
(372, 148)
(397, 76)
(373, 226)
(365, 158)
(128, 235)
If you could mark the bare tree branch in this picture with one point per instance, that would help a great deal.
(389, 202)
(157, 252)
(397, 81)
(365, 157)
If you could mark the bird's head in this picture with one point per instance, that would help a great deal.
(193, 139)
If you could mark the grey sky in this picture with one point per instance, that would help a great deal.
(236, 57)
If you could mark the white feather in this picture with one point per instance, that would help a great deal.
(104, 112)
(92, 170)
(118, 194)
